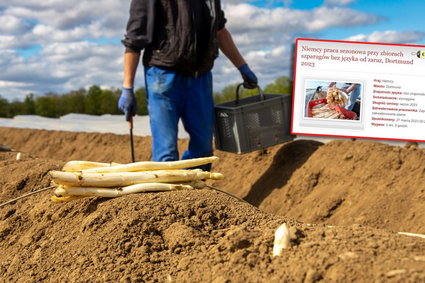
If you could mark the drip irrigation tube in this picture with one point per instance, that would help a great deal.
(26, 195)
(229, 194)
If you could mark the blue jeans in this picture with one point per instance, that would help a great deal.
(353, 97)
(172, 96)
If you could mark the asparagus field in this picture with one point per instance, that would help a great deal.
(344, 203)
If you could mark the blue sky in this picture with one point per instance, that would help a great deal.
(59, 46)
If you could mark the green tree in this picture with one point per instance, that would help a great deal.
(98, 101)
(93, 100)
(108, 102)
(16, 108)
(73, 102)
(4, 107)
(47, 106)
(282, 85)
(77, 101)
(229, 93)
(29, 104)
(65, 104)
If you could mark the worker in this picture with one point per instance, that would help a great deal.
(180, 40)
(353, 90)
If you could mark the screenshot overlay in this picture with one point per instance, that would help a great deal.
(356, 89)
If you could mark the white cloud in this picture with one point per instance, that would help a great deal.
(60, 68)
(285, 20)
(339, 2)
(11, 25)
(66, 15)
(46, 33)
(389, 36)
(70, 58)
(65, 52)
(12, 84)
(7, 41)
(267, 65)
(327, 17)
(67, 61)
(266, 41)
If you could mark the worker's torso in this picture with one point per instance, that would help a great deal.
(184, 35)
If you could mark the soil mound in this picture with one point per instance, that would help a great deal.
(181, 236)
(338, 183)
(345, 182)
(75, 146)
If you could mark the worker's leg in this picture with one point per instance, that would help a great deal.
(353, 97)
(164, 106)
(198, 117)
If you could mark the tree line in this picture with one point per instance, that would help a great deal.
(98, 101)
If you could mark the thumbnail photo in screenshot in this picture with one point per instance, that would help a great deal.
(332, 100)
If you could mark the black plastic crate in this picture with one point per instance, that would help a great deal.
(252, 123)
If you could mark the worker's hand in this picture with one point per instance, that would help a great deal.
(249, 78)
(128, 103)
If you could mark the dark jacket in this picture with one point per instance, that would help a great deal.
(180, 35)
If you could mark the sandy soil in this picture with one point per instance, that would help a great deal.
(354, 195)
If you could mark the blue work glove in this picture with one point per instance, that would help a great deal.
(128, 103)
(249, 78)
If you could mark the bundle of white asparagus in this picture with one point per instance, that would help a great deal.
(323, 110)
(80, 179)
(336, 96)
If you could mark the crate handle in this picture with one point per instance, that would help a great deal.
(260, 91)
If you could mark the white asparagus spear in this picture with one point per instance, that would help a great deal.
(120, 191)
(281, 239)
(152, 165)
(80, 179)
(78, 165)
(412, 234)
